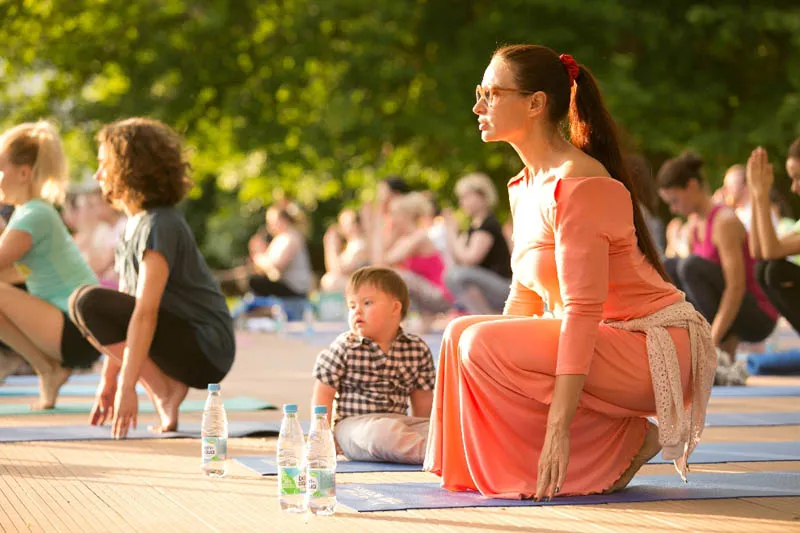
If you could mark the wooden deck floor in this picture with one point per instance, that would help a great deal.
(155, 485)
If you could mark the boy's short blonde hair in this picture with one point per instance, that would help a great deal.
(385, 280)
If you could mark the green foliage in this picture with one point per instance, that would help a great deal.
(321, 99)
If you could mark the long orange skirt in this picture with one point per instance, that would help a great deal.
(493, 390)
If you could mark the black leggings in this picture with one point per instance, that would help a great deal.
(780, 280)
(703, 282)
(103, 316)
(263, 286)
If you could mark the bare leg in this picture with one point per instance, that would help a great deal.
(649, 449)
(32, 327)
(166, 393)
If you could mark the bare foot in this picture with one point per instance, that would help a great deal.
(649, 449)
(49, 384)
(168, 408)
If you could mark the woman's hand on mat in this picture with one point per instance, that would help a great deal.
(126, 409)
(103, 408)
(552, 463)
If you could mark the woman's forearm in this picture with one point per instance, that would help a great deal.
(729, 306)
(141, 329)
(753, 238)
(566, 396)
(111, 369)
(768, 238)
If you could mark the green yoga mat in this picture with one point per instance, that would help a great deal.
(241, 403)
(66, 390)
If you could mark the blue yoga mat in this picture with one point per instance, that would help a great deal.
(369, 497)
(267, 466)
(711, 452)
(744, 452)
(87, 432)
(786, 363)
(66, 390)
(752, 419)
(754, 392)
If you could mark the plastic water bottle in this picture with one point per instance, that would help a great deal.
(309, 319)
(321, 465)
(215, 434)
(279, 317)
(291, 465)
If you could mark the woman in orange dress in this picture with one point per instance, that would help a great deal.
(527, 406)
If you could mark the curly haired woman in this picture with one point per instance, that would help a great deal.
(169, 326)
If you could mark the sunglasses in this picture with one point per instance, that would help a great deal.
(488, 93)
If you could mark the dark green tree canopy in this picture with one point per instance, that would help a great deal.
(320, 99)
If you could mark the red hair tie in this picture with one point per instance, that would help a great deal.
(573, 70)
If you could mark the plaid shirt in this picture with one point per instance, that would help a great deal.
(369, 381)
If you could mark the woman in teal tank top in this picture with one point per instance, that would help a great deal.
(36, 324)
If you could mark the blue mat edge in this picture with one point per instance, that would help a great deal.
(621, 497)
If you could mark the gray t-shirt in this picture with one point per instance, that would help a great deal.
(191, 292)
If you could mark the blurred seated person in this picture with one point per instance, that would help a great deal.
(480, 273)
(345, 249)
(718, 276)
(283, 267)
(434, 221)
(96, 238)
(410, 251)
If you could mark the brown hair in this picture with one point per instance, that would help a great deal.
(38, 146)
(145, 163)
(679, 171)
(591, 128)
(385, 280)
(794, 150)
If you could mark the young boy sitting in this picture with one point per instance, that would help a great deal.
(373, 370)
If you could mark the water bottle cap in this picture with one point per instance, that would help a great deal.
(213, 387)
(290, 408)
(320, 410)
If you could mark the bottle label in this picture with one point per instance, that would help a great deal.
(292, 480)
(321, 483)
(215, 449)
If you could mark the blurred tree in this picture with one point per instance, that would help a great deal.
(320, 99)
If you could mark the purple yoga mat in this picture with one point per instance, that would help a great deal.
(369, 497)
